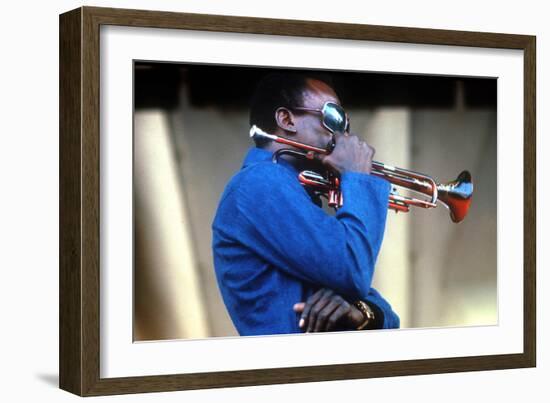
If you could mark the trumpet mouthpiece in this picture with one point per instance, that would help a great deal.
(256, 131)
(253, 131)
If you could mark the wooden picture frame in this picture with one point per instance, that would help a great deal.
(80, 199)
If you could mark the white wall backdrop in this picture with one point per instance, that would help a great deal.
(29, 202)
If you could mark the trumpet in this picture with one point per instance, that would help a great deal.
(456, 195)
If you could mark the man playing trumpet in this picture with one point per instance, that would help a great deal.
(283, 264)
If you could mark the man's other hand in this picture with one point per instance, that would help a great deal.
(325, 311)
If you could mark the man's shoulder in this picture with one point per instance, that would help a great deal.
(261, 176)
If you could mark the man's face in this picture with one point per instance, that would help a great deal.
(309, 125)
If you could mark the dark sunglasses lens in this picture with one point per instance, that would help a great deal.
(334, 117)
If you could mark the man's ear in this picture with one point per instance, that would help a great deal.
(285, 120)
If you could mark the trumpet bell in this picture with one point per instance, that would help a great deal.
(457, 195)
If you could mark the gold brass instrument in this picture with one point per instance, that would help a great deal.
(455, 195)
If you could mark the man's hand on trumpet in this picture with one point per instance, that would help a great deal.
(326, 311)
(349, 155)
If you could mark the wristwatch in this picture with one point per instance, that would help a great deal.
(367, 313)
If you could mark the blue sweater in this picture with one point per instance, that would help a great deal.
(274, 247)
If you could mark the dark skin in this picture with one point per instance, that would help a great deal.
(324, 310)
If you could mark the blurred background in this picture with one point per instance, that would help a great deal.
(191, 134)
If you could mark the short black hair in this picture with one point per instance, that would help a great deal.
(275, 90)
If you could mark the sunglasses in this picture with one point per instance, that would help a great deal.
(335, 119)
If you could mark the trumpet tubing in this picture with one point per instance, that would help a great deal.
(455, 195)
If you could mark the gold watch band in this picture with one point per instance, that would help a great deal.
(367, 313)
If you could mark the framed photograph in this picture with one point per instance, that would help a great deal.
(249, 201)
